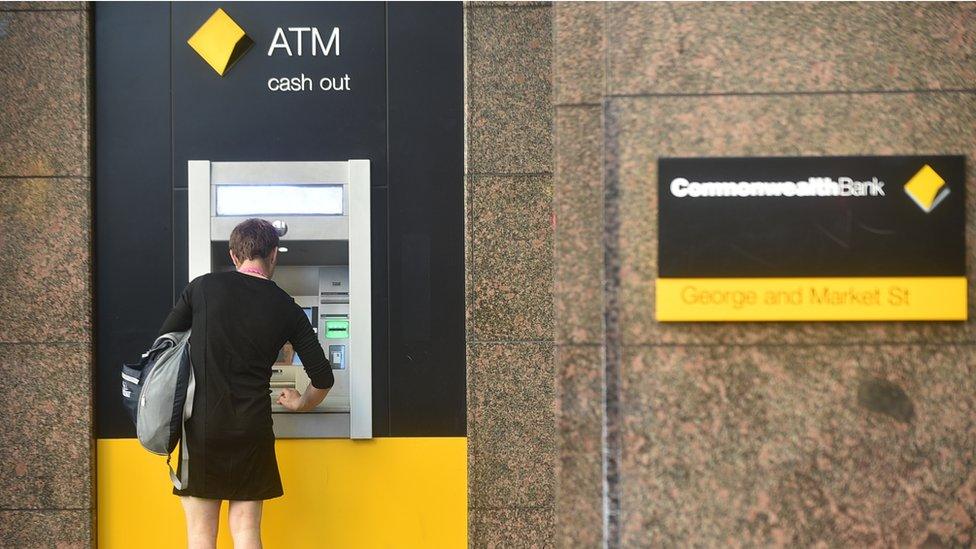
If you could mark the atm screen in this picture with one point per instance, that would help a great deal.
(308, 312)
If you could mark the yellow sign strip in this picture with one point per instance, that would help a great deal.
(841, 298)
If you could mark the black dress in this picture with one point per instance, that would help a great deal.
(240, 323)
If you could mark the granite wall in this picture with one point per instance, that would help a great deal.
(512, 435)
(831, 434)
(46, 445)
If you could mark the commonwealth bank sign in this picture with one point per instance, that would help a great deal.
(811, 238)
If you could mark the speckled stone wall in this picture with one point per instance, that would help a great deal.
(509, 245)
(828, 434)
(46, 446)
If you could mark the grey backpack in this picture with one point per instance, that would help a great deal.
(158, 394)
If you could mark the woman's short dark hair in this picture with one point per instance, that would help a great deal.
(253, 239)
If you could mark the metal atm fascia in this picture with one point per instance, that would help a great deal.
(353, 225)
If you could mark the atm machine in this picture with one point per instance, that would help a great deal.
(322, 212)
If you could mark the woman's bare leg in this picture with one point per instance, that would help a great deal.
(202, 517)
(245, 523)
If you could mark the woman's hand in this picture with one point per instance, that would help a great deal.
(291, 400)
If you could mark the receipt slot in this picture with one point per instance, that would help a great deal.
(322, 211)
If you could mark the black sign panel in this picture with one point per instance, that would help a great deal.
(811, 216)
(244, 115)
(160, 104)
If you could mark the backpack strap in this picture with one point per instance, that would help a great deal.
(181, 482)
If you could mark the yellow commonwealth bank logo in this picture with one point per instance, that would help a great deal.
(927, 188)
(220, 41)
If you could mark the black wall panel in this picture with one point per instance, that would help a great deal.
(426, 218)
(133, 196)
(158, 105)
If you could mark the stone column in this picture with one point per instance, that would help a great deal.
(46, 443)
(583, 294)
(509, 263)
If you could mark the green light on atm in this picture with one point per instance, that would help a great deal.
(337, 329)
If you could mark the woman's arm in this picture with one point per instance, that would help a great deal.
(313, 397)
(316, 365)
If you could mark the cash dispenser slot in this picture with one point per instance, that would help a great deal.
(282, 377)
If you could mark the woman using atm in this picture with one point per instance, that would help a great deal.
(240, 321)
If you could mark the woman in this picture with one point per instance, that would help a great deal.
(240, 320)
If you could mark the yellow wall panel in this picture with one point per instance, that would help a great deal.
(386, 492)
